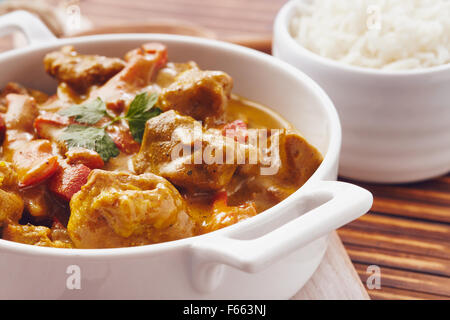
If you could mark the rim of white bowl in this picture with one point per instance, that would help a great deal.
(330, 158)
(282, 22)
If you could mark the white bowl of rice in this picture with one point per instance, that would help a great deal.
(386, 66)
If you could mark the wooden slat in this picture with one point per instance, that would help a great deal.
(411, 209)
(395, 242)
(387, 293)
(444, 180)
(414, 281)
(203, 9)
(399, 260)
(419, 192)
(440, 184)
(419, 229)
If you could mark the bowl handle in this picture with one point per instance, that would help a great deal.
(340, 204)
(33, 28)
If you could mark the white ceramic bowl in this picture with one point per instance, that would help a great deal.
(269, 256)
(396, 125)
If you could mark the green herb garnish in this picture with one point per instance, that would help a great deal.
(141, 109)
(89, 112)
(92, 138)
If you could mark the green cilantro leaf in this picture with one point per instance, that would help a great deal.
(92, 138)
(141, 109)
(89, 112)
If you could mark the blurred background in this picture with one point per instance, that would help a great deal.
(233, 20)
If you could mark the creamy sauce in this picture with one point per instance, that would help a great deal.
(120, 163)
(256, 115)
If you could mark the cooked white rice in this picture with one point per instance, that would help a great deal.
(382, 34)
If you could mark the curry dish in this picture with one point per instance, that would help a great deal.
(138, 151)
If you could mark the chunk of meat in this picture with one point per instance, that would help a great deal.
(294, 159)
(288, 162)
(35, 235)
(142, 65)
(177, 148)
(8, 177)
(59, 233)
(81, 71)
(22, 111)
(202, 95)
(12, 205)
(117, 209)
(89, 158)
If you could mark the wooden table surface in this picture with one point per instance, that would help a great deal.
(228, 18)
(407, 232)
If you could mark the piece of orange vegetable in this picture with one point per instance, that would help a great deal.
(160, 52)
(34, 162)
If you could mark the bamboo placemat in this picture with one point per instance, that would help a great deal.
(407, 234)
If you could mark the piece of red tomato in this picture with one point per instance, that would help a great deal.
(69, 179)
(236, 130)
